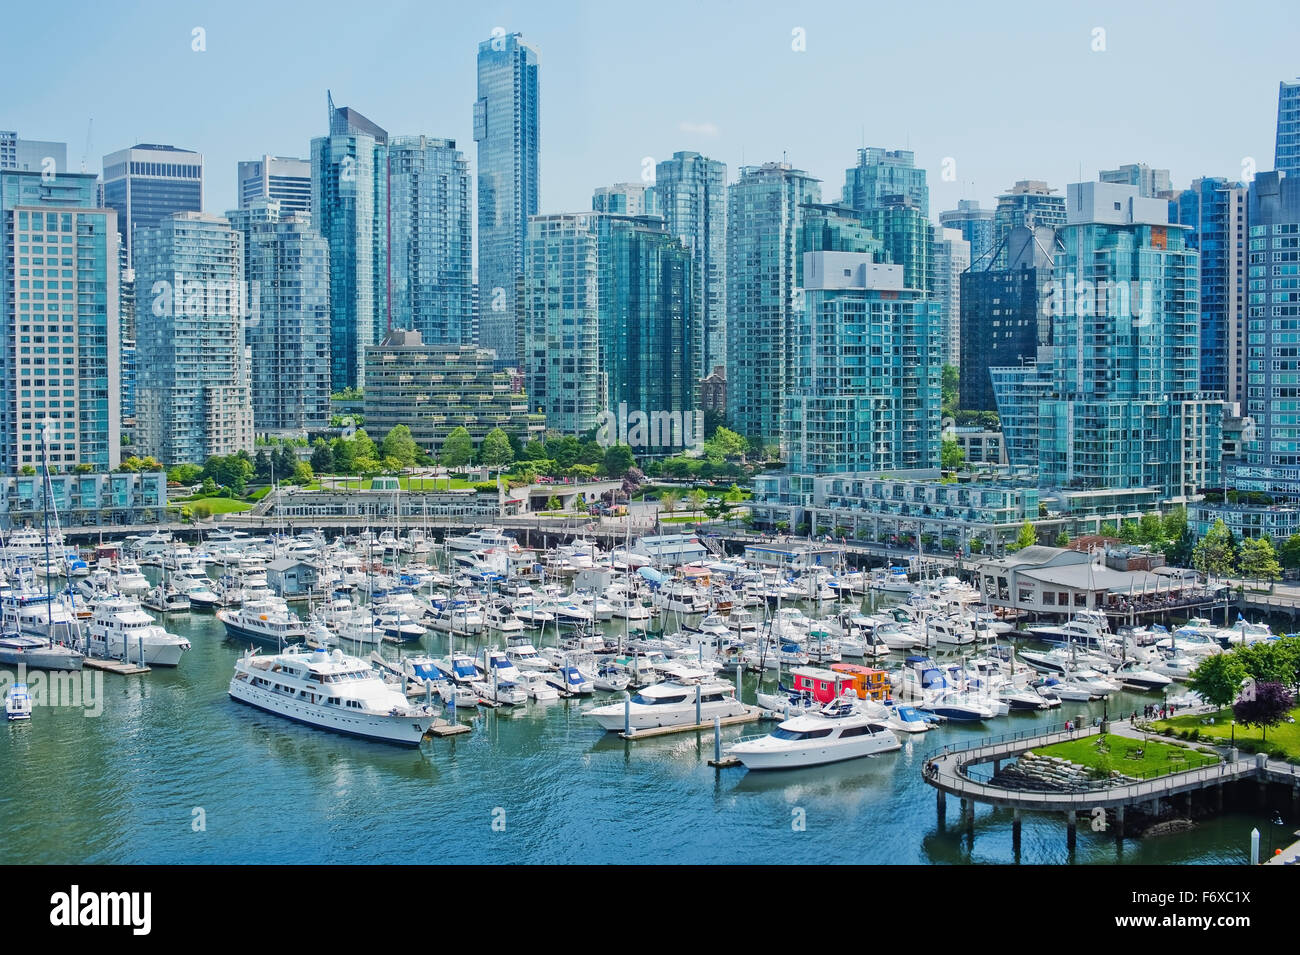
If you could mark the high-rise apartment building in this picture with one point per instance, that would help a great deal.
(283, 178)
(976, 227)
(1151, 183)
(506, 129)
(1029, 203)
(60, 360)
(625, 199)
(32, 155)
(951, 260)
(1286, 153)
(149, 182)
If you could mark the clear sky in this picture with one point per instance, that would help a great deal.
(1006, 91)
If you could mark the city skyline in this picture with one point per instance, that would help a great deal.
(615, 126)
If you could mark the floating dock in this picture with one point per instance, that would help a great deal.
(751, 714)
(449, 729)
(114, 666)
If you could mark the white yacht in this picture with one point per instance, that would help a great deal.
(482, 538)
(534, 683)
(500, 617)
(838, 731)
(1138, 676)
(525, 656)
(672, 703)
(18, 703)
(130, 580)
(330, 691)
(120, 629)
(267, 621)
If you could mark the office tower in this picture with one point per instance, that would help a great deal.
(1127, 409)
(1272, 386)
(1215, 209)
(1029, 203)
(976, 226)
(349, 208)
(625, 199)
(646, 338)
(764, 302)
(147, 183)
(951, 260)
(276, 177)
(506, 130)
(561, 361)
(32, 155)
(1286, 153)
(1003, 320)
(1151, 183)
(881, 175)
(192, 393)
(60, 361)
(434, 389)
(430, 257)
(691, 195)
(867, 369)
(286, 273)
(829, 227)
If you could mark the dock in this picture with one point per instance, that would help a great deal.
(751, 714)
(114, 666)
(449, 729)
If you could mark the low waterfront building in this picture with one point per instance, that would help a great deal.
(84, 500)
(1277, 521)
(361, 507)
(670, 550)
(291, 577)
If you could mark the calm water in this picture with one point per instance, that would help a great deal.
(125, 787)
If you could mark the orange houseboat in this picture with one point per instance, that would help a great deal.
(869, 683)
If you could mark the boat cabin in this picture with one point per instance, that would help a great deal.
(823, 685)
(868, 682)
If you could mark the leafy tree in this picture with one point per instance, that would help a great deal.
(286, 462)
(948, 387)
(697, 497)
(1268, 661)
(185, 473)
(1175, 523)
(458, 449)
(730, 444)
(322, 458)
(951, 456)
(534, 450)
(201, 511)
(1218, 679)
(553, 503)
(1265, 705)
(303, 474)
(1289, 552)
(344, 453)
(82, 468)
(1063, 539)
(1108, 529)
(618, 460)
(1258, 559)
(363, 446)
(668, 500)
(1213, 554)
(399, 444)
(1128, 532)
(367, 465)
(1151, 529)
(496, 451)
(262, 465)
(563, 450)
(1026, 538)
(209, 487)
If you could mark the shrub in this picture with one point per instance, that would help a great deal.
(1246, 746)
(1194, 734)
(1167, 731)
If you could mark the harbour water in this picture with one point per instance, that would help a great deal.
(173, 771)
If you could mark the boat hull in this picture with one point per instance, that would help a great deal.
(397, 730)
(802, 755)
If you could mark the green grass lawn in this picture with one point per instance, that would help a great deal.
(260, 493)
(407, 484)
(222, 505)
(1285, 735)
(1121, 755)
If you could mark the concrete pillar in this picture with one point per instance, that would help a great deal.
(997, 766)
(1015, 832)
(941, 807)
(1218, 797)
(1119, 822)
(1070, 830)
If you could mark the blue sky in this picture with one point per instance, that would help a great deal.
(1007, 91)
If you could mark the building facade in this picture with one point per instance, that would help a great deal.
(1151, 183)
(286, 272)
(1030, 203)
(435, 388)
(1286, 153)
(32, 155)
(60, 350)
(506, 128)
(85, 500)
(430, 235)
(764, 303)
(625, 199)
(976, 227)
(951, 262)
(866, 391)
(147, 183)
(283, 178)
(350, 206)
(192, 394)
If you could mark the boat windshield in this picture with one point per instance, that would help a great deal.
(657, 700)
(779, 733)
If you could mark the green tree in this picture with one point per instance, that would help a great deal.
(185, 474)
(1151, 529)
(618, 460)
(496, 451)
(553, 503)
(948, 386)
(1128, 532)
(458, 449)
(362, 446)
(1108, 529)
(322, 458)
(303, 474)
(1289, 552)
(951, 456)
(1218, 679)
(209, 487)
(344, 453)
(1213, 554)
(1258, 559)
(697, 497)
(201, 511)
(262, 465)
(668, 500)
(1175, 523)
(1026, 538)
(1268, 661)
(399, 444)
(730, 444)
(1063, 539)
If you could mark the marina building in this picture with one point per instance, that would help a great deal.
(84, 500)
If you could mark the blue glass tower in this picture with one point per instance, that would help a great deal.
(506, 130)
(1286, 155)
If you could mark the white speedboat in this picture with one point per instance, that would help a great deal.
(569, 679)
(525, 656)
(18, 703)
(836, 732)
(535, 685)
(672, 703)
(500, 692)
(501, 618)
(120, 629)
(330, 691)
(166, 600)
(1140, 677)
(266, 621)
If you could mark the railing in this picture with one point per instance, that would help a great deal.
(1130, 791)
(987, 741)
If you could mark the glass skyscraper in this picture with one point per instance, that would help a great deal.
(691, 195)
(867, 370)
(625, 199)
(276, 177)
(951, 259)
(349, 209)
(1127, 409)
(430, 256)
(60, 361)
(882, 175)
(1030, 203)
(286, 270)
(506, 130)
(1151, 183)
(976, 226)
(147, 183)
(192, 394)
(1286, 154)
(1215, 209)
(764, 299)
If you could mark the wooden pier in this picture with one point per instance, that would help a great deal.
(114, 666)
(751, 714)
(445, 728)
